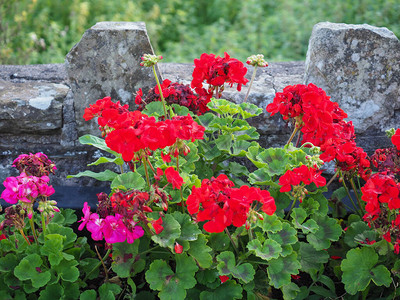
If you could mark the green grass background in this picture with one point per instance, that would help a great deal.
(43, 31)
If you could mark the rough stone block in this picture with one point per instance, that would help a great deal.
(358, 66)
(31, 107)
(106, 63)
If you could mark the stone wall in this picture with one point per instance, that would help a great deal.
(41, 106)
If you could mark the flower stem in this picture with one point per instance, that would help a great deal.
(182, 200)
(160, 90)
(251, 83)
(23, 234)
(151, 166)
(233, 242)
(333, 178)
(357, 196)
(293, 135)
(148, 250)
(291, 208)
(43, 225)
(146, 171)
(351, 199)
(101, 262)
(33, 230)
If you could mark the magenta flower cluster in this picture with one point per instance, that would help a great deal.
(26, 188)
(112, 228)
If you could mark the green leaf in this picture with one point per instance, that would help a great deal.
(96, 142)
(290, 291)
(311, 259)
(106, 175)
(280, 269)
(124, 256)
(64, 217)
(109, 291)
(171, 285)
(223, 107)
(298, 216)
(359, 269)
(268, 250)
(128, 181)
(229, 290)
(154, 108)
(54, 291)
(356, 233)
(181, 110)
(237, 169)
(227, 265)
(248, 110)
(68, 233)
(275, 160)
(260, 177)
(329, 230)
(88, 295)
(29, 269)
(158, 273)
(53, 247)
(224, 142)
(67, 270)
(270, 223)
(206, 119)
(219, 241)
(189, 229)
(285, 237)
(8, 262)
(240, 147)
(172, 231)
(103, 160)
(201, 252)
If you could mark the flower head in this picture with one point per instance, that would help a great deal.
(149, 60)
(257, 61)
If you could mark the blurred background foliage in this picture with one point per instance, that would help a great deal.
(43, 31)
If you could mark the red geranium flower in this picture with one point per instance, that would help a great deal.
(173, 177)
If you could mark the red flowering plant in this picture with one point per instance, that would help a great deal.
(198, 209)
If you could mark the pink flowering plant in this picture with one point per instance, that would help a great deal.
(198, 209)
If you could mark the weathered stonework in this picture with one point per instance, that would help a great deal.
(31, 106)
(106, 63)
(358, 66)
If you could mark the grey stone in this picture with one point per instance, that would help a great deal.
(31, 106)
(106, 63)
(44, 73)
(358, 66)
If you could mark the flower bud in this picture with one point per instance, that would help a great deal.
(178, 248)
(257, 61)
(149, 60)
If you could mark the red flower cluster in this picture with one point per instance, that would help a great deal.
(128, 132)
(222, 205)
(174, 93)
(321, 122)
(396, 139)
(302, 174)
(382, 194)
(34, 164)
(216, 71)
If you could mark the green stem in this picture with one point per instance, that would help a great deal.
(33, 230)
(232, 241)
(291, 208)
(357, 196)
(24, 236)
(43, 225)
(251, 83)
(101, 262)
(160, 90)
(351, 199)
(293, 135)
(146, 171)
(149, 250)
(180, 190)
(333, 178)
